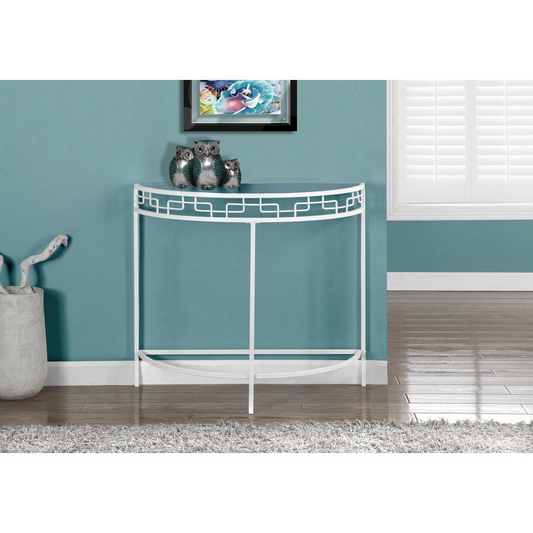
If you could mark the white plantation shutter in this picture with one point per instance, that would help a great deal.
(433, 131)
(461, 147)
(503, 142)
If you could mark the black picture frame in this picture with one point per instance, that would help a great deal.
(189, 125)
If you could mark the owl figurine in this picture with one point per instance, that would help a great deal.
(208, 167)
(232, 174)
(181, 167)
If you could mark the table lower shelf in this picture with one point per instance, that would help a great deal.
(250, 377)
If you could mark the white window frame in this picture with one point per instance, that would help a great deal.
(396, 210)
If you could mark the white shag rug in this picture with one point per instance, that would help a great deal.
(293, 437)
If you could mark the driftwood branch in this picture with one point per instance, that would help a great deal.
(39, 258)
(2, 290)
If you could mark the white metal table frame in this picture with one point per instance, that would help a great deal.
(250, 208)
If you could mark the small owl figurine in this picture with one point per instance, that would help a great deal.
(181, 167)
(232, 174)
(208, 167)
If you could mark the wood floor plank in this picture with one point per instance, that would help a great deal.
(466, 380)
(446, 388)
(463, 408)
(474, 399)
(71, 390)
(53, 418)
(501, 355)
(192, 407)
(520, 389)
(528, 408)
(208, 418)
(442, 365)
(354, 407)
(451, 360)
(426, 352)
(7, 408)
(513, 372)
(445, 372)
(485, 417)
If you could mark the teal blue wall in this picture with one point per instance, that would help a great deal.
(460, 246)
(69, 154)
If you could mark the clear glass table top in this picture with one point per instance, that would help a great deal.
(274, 189)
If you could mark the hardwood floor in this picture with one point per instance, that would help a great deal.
(459, 356)
(463, 355)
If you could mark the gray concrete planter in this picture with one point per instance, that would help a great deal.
(23, 358)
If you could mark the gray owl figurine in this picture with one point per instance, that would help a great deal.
(232, 174)
(208, 167)
(181, 167)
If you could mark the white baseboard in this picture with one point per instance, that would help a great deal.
(121, 373)
(460, 281)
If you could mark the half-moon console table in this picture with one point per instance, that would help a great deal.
(251, 204)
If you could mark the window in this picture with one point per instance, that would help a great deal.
(460, 150)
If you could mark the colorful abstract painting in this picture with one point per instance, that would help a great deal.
(240, 97)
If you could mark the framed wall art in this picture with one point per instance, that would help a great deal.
(239, 105)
